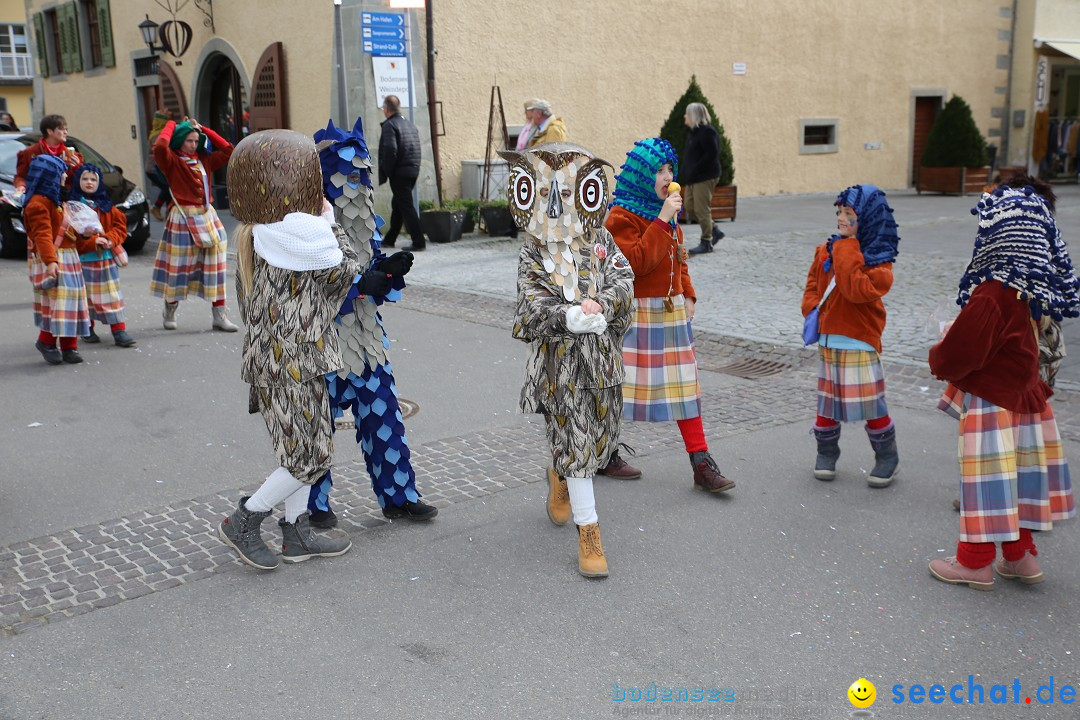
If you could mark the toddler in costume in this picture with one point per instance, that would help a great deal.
(849, 276)
(102, 228)
(1013, 475)
(60, 310)
(574, 304)
(294, 269)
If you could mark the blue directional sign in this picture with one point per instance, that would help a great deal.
(377, 33)
(383, 20)
(392, 48)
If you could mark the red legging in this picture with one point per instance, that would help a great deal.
(66, 343)
(979, 555)
(693, 435)
(876, 424)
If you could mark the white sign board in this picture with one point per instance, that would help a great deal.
(738, 68)
(391, 78)
(1041, 81)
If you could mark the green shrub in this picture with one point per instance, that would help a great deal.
(426, 205)
(955, 140)
(675, 130)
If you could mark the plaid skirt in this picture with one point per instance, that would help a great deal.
(851, 385)
(1013, 471)
(661, 366)
(103, 295)
(61, 310)
(182, 267)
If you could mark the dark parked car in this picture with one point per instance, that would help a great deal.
(124, 193)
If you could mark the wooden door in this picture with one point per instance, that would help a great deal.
(269, 103)
(172, 92)
(926, 111)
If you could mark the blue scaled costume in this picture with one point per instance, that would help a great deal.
(365, 385)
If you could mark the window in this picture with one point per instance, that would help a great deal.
(15, 59)
(818, 135)
(52, 28)
(94, 28)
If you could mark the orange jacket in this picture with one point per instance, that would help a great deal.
(653, 254)
(43, 219)
(854, 308)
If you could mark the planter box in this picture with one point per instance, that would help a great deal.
(724, 199)
(442, 226)
(497, 220)
(952, 180)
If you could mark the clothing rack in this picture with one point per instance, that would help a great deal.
(1062, 158)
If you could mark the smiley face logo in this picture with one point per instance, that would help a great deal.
(862, 693)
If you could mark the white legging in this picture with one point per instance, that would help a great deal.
(582, 500)
(281, 485)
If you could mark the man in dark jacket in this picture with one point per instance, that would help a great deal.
(399, 162)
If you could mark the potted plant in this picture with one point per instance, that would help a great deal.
(468, 209)
(726, 194)
(955, 159)
(440, 225)
(496, 218)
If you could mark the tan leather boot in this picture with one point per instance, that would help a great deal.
(558, 504)
(591, 560)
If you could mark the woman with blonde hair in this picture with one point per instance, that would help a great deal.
(700, 173)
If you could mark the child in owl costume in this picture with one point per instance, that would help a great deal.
(365, 385)
(574, 304)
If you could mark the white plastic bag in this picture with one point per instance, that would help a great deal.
(941, 319)
(83, 218)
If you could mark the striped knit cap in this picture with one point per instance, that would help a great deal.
(876, 232)
(635, 186)
(1018, 244)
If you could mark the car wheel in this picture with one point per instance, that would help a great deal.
(12, 243)
(137, 239)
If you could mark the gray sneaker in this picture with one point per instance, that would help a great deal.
(300, 542)
(242, 532)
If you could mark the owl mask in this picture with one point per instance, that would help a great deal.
(557, 191)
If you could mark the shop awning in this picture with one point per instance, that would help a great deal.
(1068, 47)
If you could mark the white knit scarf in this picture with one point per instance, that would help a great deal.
(299, 242)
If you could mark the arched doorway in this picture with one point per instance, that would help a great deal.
(221, 98)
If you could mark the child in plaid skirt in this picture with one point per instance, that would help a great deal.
(848, 278)
(59, 294)
(101, 252)
(661, 365)
(1013, 474)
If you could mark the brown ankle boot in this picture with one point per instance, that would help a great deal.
(707, 475)
(591, 560)
(558, 504)
(619, 469)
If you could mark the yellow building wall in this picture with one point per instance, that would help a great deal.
(614, 71)
(18, 96)
(102, 109)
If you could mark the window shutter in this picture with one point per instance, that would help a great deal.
(74, 37)
(39, 41)
(108, 56)
(60, 17)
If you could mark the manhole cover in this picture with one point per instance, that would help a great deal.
(752, 369)
(408, 409)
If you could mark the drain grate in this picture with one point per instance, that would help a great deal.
(752, 368)
(408, 409)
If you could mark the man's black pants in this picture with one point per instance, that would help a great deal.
(403, 209)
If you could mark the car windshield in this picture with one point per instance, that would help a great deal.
(9, 149)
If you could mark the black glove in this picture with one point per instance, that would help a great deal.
(398, 264)
(374, 282)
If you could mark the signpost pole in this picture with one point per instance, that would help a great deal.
(408, 71)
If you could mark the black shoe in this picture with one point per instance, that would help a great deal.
(410, 511)
(717, 234)
(703, 247)
(92, 338)
(324, 519)
(121, 338)
(51, 354)
(414, 247)
(71, 356)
